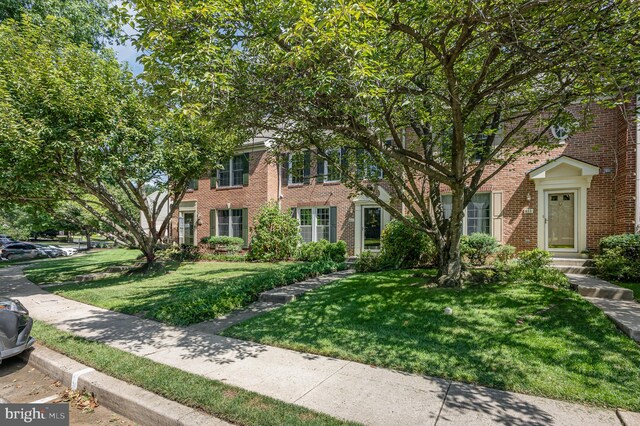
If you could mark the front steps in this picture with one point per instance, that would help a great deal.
(596, 288)
(573, 265)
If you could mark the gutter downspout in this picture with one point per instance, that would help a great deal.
(637, 218)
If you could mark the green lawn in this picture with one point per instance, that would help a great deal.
(521, 337)
(66, 268)
(632, 286)
(219, 399)
(187, 293)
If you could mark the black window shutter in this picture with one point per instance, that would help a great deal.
(212, 222)
(245, 169)
(195, 184)
(333, 224)
(213, 179)
(245, 227)
(320, 169)
(294, 213)
(307, 167)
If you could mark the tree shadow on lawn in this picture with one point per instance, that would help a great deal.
(499, 335)
(181, 297)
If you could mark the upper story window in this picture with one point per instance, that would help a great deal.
(299, 167)
(235, 171)
(367, 166)
(328, 170)
(477, 215)
(192, 185)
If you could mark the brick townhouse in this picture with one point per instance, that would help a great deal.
(584, 189)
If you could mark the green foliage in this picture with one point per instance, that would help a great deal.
(180, 253)
(505, 253)
(619, 258)
(88, 20)
(477, 247)
(275, 235)
(535, 265)
(225, 243)
(370, 261)
(406, 247)
(224, 257)
(323, 250)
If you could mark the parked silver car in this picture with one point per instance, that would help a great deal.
(15, 326)
(16, 251)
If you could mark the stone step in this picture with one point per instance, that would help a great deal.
(593, 287)
(625, 314)
(577, 270)
(566, 261)
(92, 277)
(291, 292)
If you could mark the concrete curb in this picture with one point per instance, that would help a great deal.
(135, 403)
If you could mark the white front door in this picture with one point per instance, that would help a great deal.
(561, 221)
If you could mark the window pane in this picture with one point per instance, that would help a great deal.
(236, 223)
(331, 167)
(305, 217)
(306, 222)
(446, 205)
(322, 224)
(478, 214)
(237, 170)
(224, 175)
(223, 222)
(296, 171)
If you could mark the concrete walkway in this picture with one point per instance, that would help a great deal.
(343, 389)
(616, 302)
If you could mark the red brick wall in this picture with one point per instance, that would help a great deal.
(610, 200)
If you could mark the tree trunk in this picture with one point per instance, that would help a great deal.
(450, 271)
(87, 235)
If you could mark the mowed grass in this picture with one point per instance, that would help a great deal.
(520, 337)
(64, 269)
(179, 293)
(214, 397)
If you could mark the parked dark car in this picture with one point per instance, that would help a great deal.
(15, 251)
(15, 326)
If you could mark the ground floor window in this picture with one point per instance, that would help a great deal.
(230, 223)
(315, 223)
(477, 215)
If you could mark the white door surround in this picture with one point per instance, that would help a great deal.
(361, 201)
(564, 175)
(187, 207)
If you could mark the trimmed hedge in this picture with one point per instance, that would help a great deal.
(323, 250)
(619, 257)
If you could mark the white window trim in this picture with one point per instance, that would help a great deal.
(230, 224)
(231, 170)
(325, 171)
(464, 217)
(314, 221)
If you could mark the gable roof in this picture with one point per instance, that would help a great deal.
(586, 169)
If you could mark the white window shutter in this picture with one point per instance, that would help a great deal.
(496, 215)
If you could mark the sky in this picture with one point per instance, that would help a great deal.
(126, 53)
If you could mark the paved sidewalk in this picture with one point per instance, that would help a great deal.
(339, 388)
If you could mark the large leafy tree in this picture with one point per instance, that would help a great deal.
(77, 126)
(438, 94)
(88, 19)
